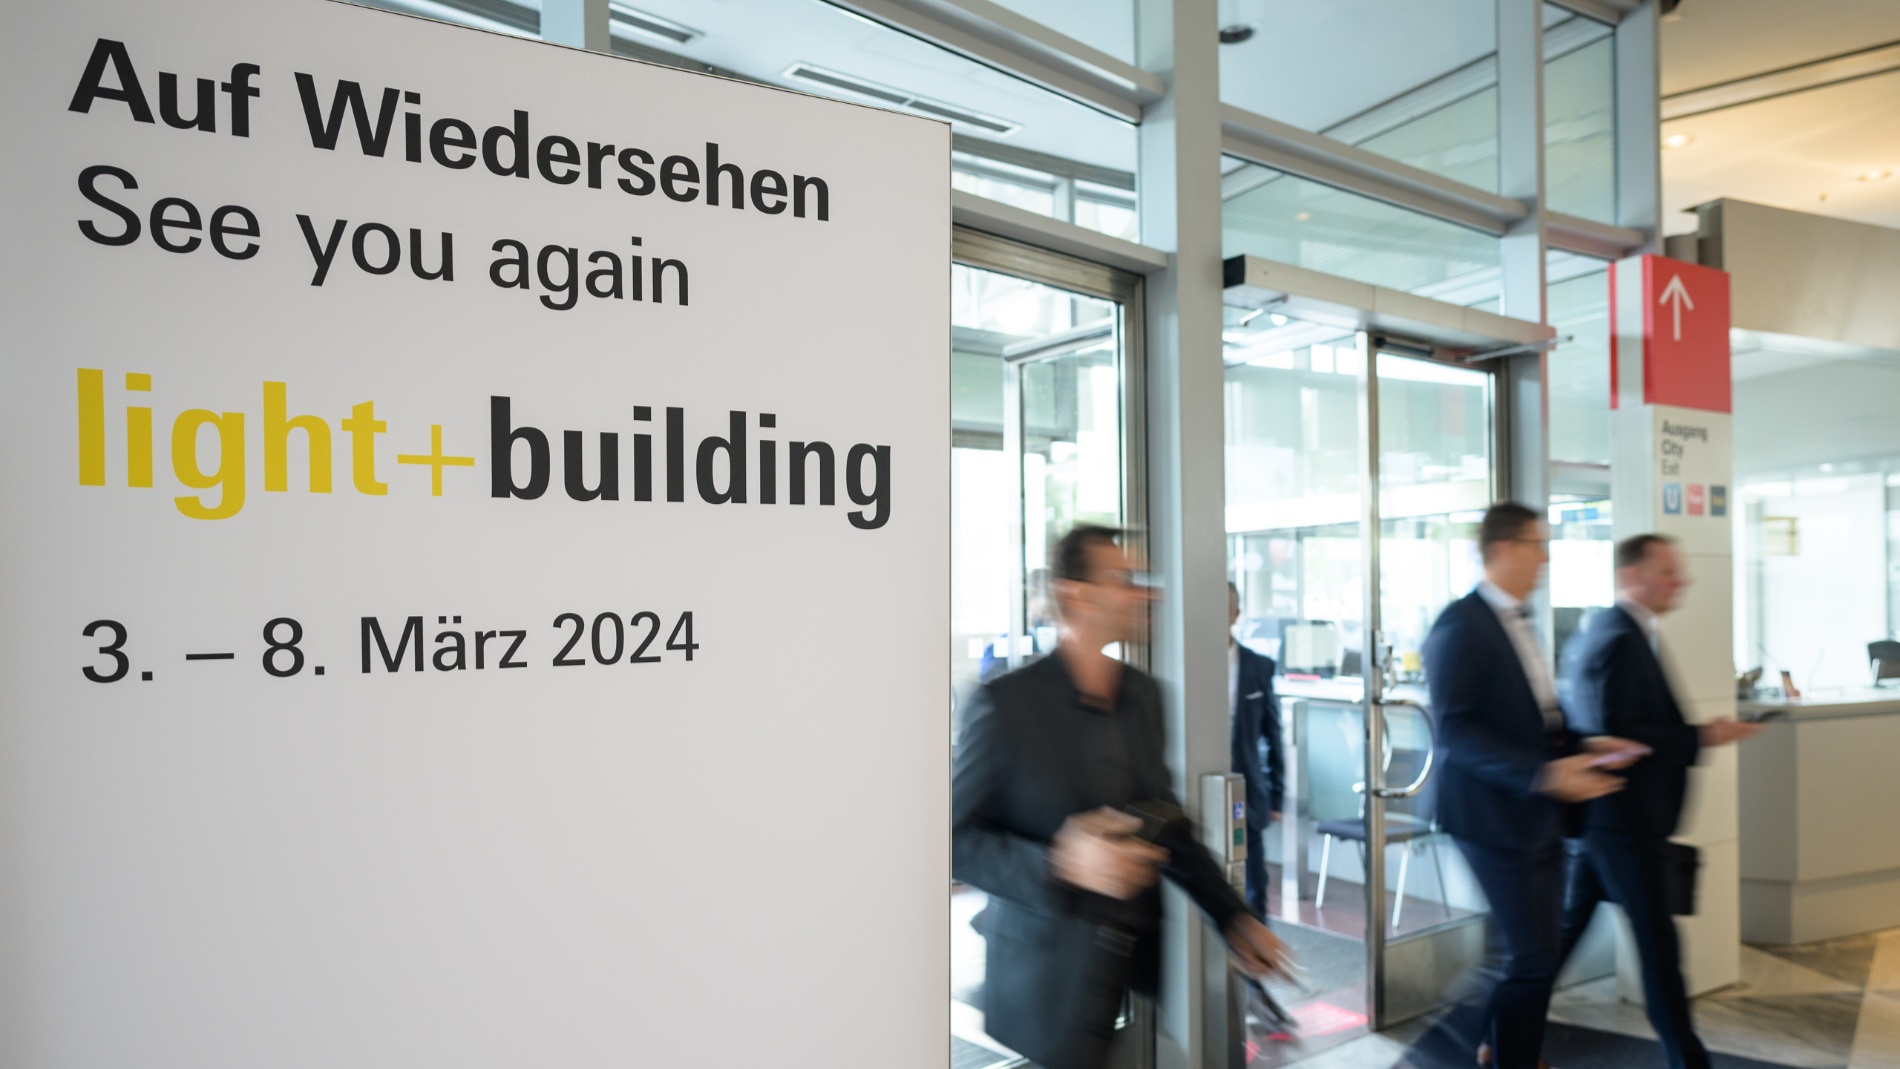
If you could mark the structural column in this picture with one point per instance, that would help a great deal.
(1670, 438)
(580, 23)
(1180, 206)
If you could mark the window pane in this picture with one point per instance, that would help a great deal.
(1434, 484)
(1293, 441)
(1294, 221)
(1580, 119)
(1420, 84)
(1580, 369)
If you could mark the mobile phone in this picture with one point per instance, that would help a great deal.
(1159, 819)
(1620, 755)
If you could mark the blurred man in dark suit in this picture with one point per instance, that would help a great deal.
(1510, 763)
(1048, 764)
(1255, 742)
(1619, 687)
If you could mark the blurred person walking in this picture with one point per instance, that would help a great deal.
(1255, 746)
(1050, 760)
(1510, 765)
(1619, 686)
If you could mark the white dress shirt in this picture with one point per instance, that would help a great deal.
(1516, 618)
(1645, 619)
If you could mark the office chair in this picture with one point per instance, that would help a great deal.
(1409, 822)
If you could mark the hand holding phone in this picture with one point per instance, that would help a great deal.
(1612, 752)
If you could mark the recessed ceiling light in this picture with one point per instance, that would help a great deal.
(1302, 217)
(1677, 140)
(1875, 175)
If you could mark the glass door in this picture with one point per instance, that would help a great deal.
(1433, 444)
(1044, 417)
(1357, 470)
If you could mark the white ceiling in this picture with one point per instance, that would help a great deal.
(1805, 151)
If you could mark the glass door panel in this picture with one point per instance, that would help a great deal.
(1435, 480)
(1038, 393)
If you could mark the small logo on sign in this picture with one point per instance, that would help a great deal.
(1718, 500)
(1696, 499)
(1672, 499)
(1240, 811)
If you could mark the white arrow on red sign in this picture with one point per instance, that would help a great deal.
(1679, 294)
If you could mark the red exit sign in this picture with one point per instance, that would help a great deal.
(1685, 322)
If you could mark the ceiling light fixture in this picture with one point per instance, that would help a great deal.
(1302, 217)
(633, 18)
(1875, 175)
(903, 98)
(1677, 140)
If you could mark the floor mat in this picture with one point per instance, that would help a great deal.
(1570, 1047)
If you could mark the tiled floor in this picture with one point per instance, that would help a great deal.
(1827, 1005)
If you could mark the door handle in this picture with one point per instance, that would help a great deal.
(1431, 750)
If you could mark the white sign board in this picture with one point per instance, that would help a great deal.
(475, 553)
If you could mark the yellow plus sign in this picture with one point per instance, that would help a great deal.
(435, 460)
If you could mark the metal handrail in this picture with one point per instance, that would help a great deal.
(1431, 751)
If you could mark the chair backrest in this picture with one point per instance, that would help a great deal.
(1884, 657)
(1332, 758)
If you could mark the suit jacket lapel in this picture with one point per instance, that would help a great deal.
(1652, 659)
(1500, 635)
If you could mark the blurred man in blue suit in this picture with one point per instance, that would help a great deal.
(1255, 745)
(1510, 766)
(1619, 685)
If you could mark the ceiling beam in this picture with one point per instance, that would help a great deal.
(1573, 233)
(1287, 148)
(1846, 67)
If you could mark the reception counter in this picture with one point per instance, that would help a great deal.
(1819, 819)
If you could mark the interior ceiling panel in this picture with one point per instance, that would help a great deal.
(1806, 151)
